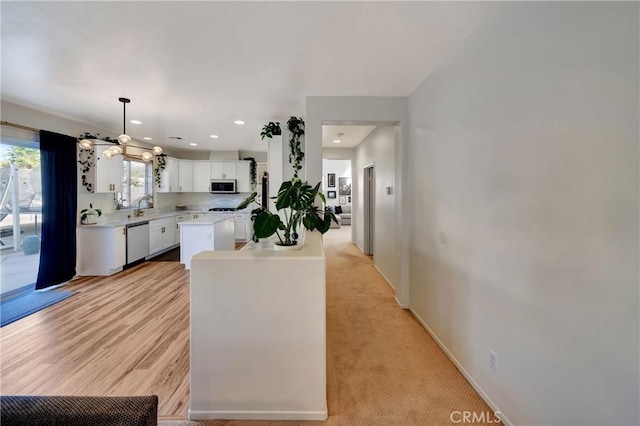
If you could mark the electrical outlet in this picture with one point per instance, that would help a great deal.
(493, 361)
(443, 238)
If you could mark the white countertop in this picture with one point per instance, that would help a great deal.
(146, 218)
(210, 220)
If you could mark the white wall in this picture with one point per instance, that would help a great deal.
(341, 168)
(524, 151)
(378, 148)
(365, 110)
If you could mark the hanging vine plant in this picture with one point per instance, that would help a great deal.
(271, 129)
(296, 131)
(161, 164)
(86, 159)
(87, 135)
(253, 170)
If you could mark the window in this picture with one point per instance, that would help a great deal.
(137, 183)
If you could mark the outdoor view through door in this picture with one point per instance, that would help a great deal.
(20, 212)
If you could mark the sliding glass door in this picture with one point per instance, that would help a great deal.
(20, 213)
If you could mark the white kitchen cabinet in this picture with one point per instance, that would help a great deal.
(195, 215)
(186, 176)
(176, 228)
(169, 177)
(201, 176)
(243, 176)
(241, 227)
(101, 250)
(161, 235)
(106, 174)
(206, 233)
(224, 169)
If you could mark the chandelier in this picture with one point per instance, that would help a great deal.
(124, 140)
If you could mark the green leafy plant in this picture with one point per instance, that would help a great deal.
(86, 159)
(271, 129)
(87, 135)
(85, 213)
(161, 164)
(296, 131)
(253, 170)
(297, 201)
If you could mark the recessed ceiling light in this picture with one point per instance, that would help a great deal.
(240, 122)
(135, 122)
(213, 136)
(193, 144)
(337, 141)
(146, 138)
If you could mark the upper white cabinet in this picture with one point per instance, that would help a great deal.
(169, 177)
(243, 175)
(201, 176)
(99, 173)
(223, 169)
(195, 176)
(186, 176)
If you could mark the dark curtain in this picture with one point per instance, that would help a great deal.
(59, 206)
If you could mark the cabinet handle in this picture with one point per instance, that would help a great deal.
(124, 231)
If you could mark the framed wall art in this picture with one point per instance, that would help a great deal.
(345, 186)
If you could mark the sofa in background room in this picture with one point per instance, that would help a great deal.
(344, 211)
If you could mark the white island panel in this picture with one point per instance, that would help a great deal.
(258, 337)
(205, 233)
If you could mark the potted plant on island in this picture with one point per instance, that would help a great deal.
(297, 201)
(87, 215)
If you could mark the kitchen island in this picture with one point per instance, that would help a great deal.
(210, 232)
(258, 337)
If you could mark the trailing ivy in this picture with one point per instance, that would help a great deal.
(296, 131)
(161, 164)
(271, 129)
(254, 170)
(86, 159)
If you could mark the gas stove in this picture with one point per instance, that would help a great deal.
(222, 209)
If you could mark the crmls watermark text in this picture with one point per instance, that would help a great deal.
(475, 417)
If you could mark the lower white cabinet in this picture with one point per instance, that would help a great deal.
(176, 228)
(243, 231)
(161, 235)
(101, 250)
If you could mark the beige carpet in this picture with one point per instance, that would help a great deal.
(383, 368)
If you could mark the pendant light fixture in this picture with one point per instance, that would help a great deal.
(123, 140)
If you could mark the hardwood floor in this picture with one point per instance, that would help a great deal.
(127, 334)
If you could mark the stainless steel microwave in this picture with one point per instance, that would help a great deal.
(222, 186)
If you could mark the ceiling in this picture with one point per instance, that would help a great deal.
(192, 68)
(348, 135)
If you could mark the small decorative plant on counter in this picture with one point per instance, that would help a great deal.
(271, 129)
(297, 201)
(87, 215)
(296, 131)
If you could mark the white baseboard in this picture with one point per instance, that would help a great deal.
(462, 370)
(403, 306)
(257, 415)
(385, 277)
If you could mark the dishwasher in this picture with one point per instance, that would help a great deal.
(137, 241)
